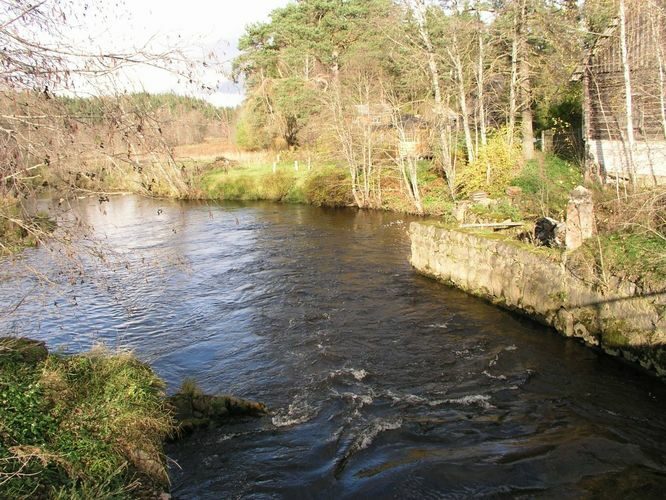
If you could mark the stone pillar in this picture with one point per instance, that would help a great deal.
(580, 217)
(547, 141)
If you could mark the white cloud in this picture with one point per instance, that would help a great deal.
(198, 27)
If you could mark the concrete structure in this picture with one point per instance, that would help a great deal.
(621, 317)
(580, 218)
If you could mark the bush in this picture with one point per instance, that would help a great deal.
(504, 161)
(329, 187)
(275, 186)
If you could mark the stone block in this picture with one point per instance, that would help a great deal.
(580, 217)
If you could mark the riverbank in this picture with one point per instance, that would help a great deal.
(620, 316)
(19, 230)
(326, 184)
(94, 425)
(83, 426)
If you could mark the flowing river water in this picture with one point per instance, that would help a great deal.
(382, 383)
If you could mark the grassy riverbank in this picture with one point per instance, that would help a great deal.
(322, 186)
(545, 187)
(83, 426)
(19, 231)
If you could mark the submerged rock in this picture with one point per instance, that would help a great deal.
(195, 410)
(22, 350)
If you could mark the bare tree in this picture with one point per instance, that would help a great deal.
(631, 141)
(442, 112)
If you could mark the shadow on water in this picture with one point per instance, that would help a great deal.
(382, 383)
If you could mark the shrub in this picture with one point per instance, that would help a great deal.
(503, 160)
(329, 187)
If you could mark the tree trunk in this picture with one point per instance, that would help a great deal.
(526, 114)
(462, 99)
(655, 27)
(443, 127)
(513, 88)
(627, 94)
(406, 161)
(480, 92)
(521, 87)
(480, 95)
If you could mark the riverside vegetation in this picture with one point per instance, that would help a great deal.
(93, 425)
(83, 426)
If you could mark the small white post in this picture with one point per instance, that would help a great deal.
(296, 165)
(274, 166)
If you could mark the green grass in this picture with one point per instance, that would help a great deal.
(85, 426)
(546, 185)
(322, 186)
(252, 182)
(640, 257)
(498, 212)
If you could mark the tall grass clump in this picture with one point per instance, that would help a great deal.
(85, 426)
(249, 183)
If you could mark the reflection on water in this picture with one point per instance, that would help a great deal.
(382, 383)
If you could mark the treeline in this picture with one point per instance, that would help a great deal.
(181, 119)
(67, 140)
(378, 84)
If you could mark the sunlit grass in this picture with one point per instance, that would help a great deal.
(74, 426)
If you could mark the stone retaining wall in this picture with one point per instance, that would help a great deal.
(622, 320)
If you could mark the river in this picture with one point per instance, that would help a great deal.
(382, 383)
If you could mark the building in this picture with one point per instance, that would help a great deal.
(615, 148)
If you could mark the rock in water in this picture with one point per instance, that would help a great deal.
(194, 410)
(22, 350)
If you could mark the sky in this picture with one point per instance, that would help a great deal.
(199, 27)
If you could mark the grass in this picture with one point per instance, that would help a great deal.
(321, 186)
(19, 230)
(640, 257)
(85, 426)
(498, 212)
(546, 184)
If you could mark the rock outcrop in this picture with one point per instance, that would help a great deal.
(22, 350)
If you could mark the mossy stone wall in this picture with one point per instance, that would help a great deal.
(621, 319)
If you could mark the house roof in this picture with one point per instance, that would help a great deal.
(599, 44)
